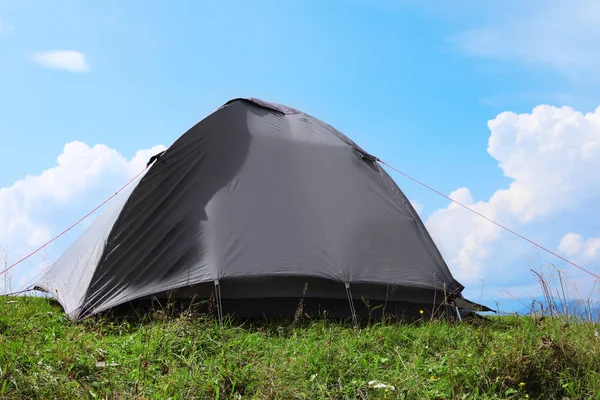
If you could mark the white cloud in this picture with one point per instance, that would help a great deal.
(417, 206)
(573, 244)
(556, 34)
(28, 207)
(68, 60)
(462, 236)
(551, 155)
(5, 27)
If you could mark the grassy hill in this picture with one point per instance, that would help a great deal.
(44, 355)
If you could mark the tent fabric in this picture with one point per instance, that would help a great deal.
(260, 198)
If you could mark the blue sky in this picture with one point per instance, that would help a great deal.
(415, 83)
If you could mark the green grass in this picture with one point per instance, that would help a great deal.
(44, 355)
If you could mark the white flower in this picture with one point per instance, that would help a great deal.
(380, 385)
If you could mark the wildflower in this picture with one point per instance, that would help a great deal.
(380, 385)
(432, 378)
(522, 384)
(526, 396)
(421, 312)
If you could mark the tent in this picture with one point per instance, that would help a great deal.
(259, 207)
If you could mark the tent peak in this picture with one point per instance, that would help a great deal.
(280, 108)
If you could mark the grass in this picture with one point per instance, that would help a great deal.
(182, 356)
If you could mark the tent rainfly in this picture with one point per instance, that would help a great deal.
(263, 206)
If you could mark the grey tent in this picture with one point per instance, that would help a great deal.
(259, 205)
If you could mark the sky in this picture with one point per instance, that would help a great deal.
(495, 105)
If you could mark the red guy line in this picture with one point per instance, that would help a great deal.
(72, 226)
(381, 161)
(489, 219)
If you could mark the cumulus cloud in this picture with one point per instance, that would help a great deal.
(68, 60)
(28, 207)
(573, 244)
(417, 206)
(462, 236)
(555, 34)
(551, 156)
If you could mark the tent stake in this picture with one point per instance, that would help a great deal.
(219, 303)
(352, 309)
(457, 313)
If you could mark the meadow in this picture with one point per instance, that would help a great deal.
(165, 354)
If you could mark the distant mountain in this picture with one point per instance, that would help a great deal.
(578, 308)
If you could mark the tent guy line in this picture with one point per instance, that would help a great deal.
(247, 207)
(73, 225)
(489, 219)
(379, 160)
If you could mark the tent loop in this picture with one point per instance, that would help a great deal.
(352, 309)
(155, 157)
(219, 303)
